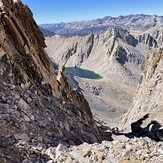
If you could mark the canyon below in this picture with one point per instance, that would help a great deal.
(114, 62)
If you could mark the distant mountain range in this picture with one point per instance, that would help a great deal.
(130, 22)
(46, 33)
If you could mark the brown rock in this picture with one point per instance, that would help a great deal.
(100, 157)
(88, 153)
(28, 63)
(69, 159)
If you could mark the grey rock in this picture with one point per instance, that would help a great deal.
(14, 107)
(44, 123)
(61, 147)
(29, 100)
(76, 154)
(26, 161)
(148, 100)
(39, 138)
(4, 106)
(23, 104)
(50, 152)
(44, 156)
(22, 136)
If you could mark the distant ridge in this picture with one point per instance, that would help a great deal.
(46, 33)
(130, 22)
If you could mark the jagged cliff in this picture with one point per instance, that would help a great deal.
(149, 96)
(152, 37)
(35, 107)
(23, 59)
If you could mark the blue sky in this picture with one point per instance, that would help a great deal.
(55, 11)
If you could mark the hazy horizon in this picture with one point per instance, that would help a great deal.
(70, 11)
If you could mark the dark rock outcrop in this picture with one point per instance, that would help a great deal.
(148, 40)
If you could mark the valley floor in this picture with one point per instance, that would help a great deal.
(108, 99)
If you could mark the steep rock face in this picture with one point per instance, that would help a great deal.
(149, 98)
(35, 107)
(158, 36)
(152, 38)
(72, 94)
(145, 38)
(23, 58)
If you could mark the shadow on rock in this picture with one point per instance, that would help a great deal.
(105, 131)
(153, 130)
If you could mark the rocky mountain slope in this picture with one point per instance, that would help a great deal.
(36, 108)
(142, 143)
(152, 37)
(149, 94)
(129, 22)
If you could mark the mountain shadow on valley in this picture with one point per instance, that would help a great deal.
(83, 73)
